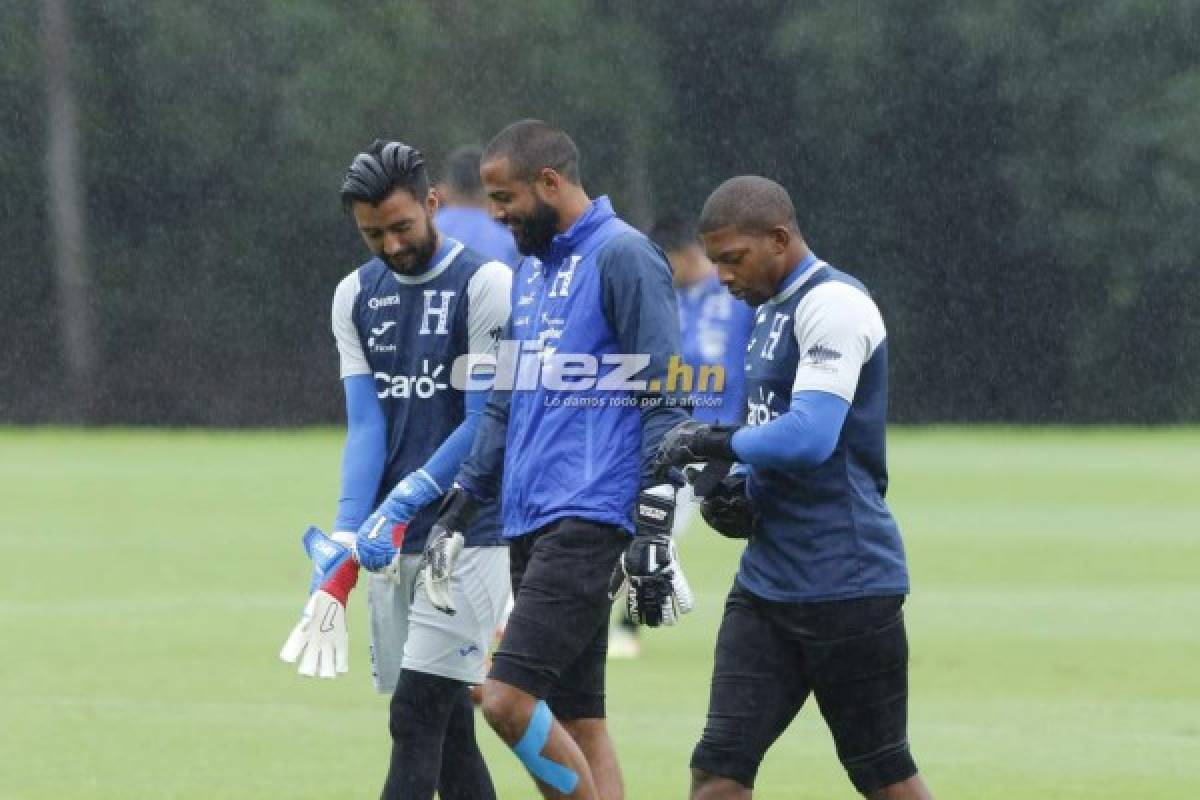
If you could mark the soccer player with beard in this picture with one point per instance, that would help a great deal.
(401, 320)
(571, 460)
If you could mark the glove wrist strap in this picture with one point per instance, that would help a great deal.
(343, 579)
(655, 511)
(458, 509)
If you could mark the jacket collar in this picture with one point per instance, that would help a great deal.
(599, 212)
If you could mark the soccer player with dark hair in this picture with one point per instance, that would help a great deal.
(401, 320)
(462, 213)
(816, 604)
(571, 455)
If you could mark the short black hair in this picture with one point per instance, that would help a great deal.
(383, 168)
(531, 145)
(462, 170)
(673, 232)
(750, 203)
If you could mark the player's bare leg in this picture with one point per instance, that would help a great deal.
(706, 786)
(912, 789)
(554, 759)
(592, 737)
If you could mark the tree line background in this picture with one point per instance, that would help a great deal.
(1018, 181)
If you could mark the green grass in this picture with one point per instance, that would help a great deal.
(151, 577)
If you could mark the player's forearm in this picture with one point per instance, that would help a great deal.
(446, 461)
(804, 437)
(365, 453)
(481, 472)
(656, 421)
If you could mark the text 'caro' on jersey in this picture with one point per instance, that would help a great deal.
(825, 532)
(412, 328)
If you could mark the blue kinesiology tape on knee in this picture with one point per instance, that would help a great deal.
(529, 750)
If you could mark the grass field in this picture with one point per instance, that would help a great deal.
(151, 578)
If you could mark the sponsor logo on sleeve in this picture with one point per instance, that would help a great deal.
(821, 357)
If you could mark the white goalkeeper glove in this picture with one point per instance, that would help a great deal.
(444, 546)
(320, 642)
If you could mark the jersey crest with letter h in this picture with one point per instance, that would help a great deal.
(772, 354)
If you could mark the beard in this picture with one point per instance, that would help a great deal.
(534, 232)
(415, 259)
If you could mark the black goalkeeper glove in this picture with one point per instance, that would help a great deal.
(693, 442)
(727, 509)
(658, 591)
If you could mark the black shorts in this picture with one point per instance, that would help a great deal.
(851, 654)
(556, 641)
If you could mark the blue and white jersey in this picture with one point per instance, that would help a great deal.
(473, 227)
(714, 327)
(574, 446)
(826, 532)
(407, 331)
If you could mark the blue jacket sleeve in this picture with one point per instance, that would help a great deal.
(365, 453)
(804, 437)
(639, 303)
(481, 472)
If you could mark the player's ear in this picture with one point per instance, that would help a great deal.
(548, 183)
(432, 201)
(781, 238)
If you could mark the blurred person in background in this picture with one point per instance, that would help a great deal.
(462, 213)
(714, 327)
(401, 320)
(815, 607)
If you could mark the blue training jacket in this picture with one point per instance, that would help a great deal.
(601, 288)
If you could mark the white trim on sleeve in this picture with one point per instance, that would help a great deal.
(350, 352)
(488, 298)
(838, 328)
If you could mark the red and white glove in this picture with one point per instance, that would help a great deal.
(321, 641)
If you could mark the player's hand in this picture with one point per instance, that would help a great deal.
(382, 534)
(692, 442)
(320, 641)
(444, 546)
(658, 590)
(727, 509)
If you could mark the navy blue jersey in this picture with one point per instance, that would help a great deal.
(825, 532)
(714, 327)
(407, 331)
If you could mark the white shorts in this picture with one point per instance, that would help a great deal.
(407, 632)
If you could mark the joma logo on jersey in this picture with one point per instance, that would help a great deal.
(377, 334)
(402, 387)
(437, 307)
